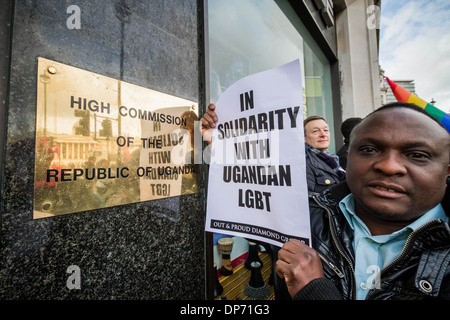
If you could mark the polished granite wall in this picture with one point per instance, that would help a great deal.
(149, 250)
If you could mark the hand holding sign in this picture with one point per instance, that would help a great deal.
(298, 264)
(208, 121)
(257, 180)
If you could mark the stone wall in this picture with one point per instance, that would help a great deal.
(148, 250)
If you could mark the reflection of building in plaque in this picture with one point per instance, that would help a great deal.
(101, 142)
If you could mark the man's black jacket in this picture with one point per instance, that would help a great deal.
(421, 271)
(318, 174)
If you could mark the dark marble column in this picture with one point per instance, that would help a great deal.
(148, 250)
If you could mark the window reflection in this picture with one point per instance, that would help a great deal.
(246, 37)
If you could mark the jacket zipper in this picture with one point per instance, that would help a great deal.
(405, 249)
(333, 235)
(332, 266)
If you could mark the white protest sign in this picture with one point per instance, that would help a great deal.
(257, 178)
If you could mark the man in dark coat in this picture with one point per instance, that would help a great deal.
(346, 128)
(322, 167)
(384, 233)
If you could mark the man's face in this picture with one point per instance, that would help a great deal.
(398, 162)
(317, 134)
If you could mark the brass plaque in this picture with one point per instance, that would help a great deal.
(102, 142)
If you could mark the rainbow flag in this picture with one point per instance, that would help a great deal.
(403, 95)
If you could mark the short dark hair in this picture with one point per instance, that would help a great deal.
(347, 127)
(409, 106)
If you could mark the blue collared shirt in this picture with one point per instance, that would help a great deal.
(372, 253)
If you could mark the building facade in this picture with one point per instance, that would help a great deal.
(388, 95)
(154, 62)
